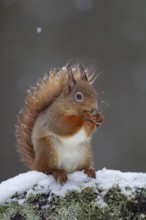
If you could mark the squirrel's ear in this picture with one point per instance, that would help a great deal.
(83, 73)
(71, 80)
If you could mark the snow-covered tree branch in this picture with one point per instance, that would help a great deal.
(113, 195)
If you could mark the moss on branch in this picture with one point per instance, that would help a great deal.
(113, 195)
(90, 203)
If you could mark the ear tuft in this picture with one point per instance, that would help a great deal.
(83, 72)
(71, 80)
(70, 73)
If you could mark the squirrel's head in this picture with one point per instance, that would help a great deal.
(78, 91)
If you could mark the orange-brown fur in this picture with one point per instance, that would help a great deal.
(68, 120)
(41, 162)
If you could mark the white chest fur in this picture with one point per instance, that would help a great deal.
(76, 139)
(72, 151)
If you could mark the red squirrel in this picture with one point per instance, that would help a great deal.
(55, 127)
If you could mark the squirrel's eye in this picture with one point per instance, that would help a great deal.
(79, 96)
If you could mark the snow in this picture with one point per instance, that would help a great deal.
(19, 184)
(39, 30)
(34, 182)
(128, 181)
(142, 216)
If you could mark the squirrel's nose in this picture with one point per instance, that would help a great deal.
(93, 108)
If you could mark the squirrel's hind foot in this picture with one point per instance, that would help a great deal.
(90, 172)
(60, 175)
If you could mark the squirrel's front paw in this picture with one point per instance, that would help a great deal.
(90, 172)
(99, 119)
(93, 118)
(60, 175)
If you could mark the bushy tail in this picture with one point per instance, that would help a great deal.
(38, 98)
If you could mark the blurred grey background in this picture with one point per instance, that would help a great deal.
(36, 35)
